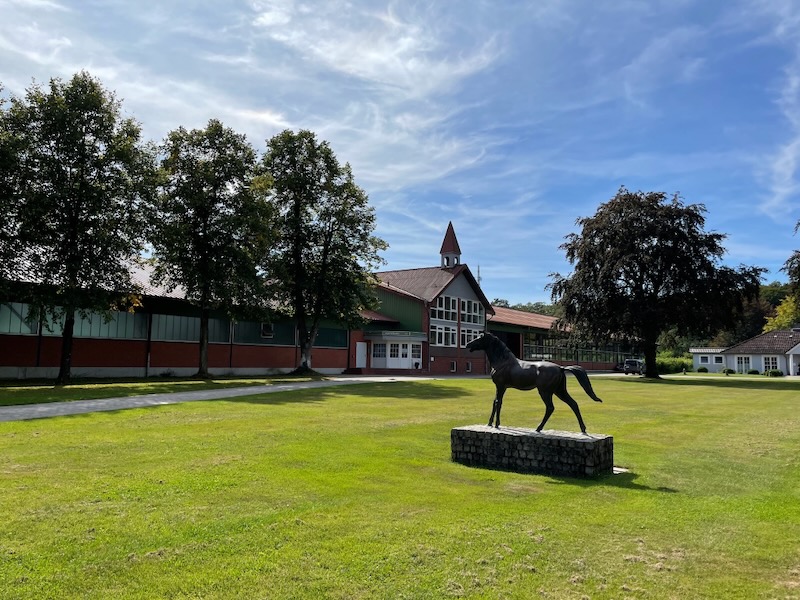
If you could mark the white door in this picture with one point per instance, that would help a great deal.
(361, 355)
(742, 364)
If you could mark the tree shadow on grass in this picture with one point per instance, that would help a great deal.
(748, 384)
(392, 389)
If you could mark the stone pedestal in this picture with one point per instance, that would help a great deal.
(528, 451)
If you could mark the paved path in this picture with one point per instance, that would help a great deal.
(78, 407)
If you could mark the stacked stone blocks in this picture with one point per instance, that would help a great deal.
(523, 450)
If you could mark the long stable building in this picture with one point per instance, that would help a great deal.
(424, 321)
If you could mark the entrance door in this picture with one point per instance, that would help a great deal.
(361, 355)
(742, 364)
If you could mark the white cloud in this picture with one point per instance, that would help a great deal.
(404, 52)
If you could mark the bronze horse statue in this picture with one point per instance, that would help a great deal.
(550, 378)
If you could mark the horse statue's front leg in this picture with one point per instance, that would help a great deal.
(496, 406)
(495, 410)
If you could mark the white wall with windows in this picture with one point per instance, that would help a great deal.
(457, 316)
(708, 358)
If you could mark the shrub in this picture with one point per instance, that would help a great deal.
(728, 371)
(753, 372)
(774, 373)
(671, 364)
(702, 369)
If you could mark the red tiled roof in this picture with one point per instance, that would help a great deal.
(428, 283)
(772, 342)
(450, 243)
(425, 283)
(509, 316)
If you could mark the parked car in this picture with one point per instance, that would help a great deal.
(633, 365)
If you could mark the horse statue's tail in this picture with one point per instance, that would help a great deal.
(583, 379)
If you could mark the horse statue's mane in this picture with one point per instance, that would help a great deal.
(498, 349)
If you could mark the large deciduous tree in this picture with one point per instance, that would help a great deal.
(644, 264)
(322, 264)
(213, 223)
(78, 175)
(9, 222)
(786, 315)
(792, 268)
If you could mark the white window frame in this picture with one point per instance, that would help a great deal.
(469, 334)
(704, 360)
(773, 363)
(443, 335)
(445, 309)
(473, 312)
(379, 350)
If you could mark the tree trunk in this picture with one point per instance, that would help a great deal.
(203, 370)
(650, 367)
(306, 339)
(65, 366)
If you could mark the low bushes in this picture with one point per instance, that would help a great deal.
(702, 369)
(672, 364)
(774, 373)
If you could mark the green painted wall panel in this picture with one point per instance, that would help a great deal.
(406, 310)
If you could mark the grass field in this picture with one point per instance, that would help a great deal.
(350, 493)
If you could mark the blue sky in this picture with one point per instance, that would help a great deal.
(510, 118)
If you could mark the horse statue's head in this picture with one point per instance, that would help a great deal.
(486, 341)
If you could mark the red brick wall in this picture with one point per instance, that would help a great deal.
(20, 351)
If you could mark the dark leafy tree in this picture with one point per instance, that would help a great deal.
(755, 313)
(644, 264)
(10, 146)
(79, 177)
(775, 292)
(502, 302)
(541, 308)
(323, 262)
(213, 224)
(792, 268)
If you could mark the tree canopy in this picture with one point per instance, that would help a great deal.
(322, 263)
(792, 268)
(213, 223)
(786, 316)
(9, 219)
(78, 174)
(644, 264)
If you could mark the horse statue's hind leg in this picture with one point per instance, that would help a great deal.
(496, 406)
(547, 398)
(570, 401)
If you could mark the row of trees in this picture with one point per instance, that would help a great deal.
(82, 197)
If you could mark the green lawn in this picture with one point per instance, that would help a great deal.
(350, 493)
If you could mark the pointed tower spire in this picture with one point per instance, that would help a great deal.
(450, 252)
